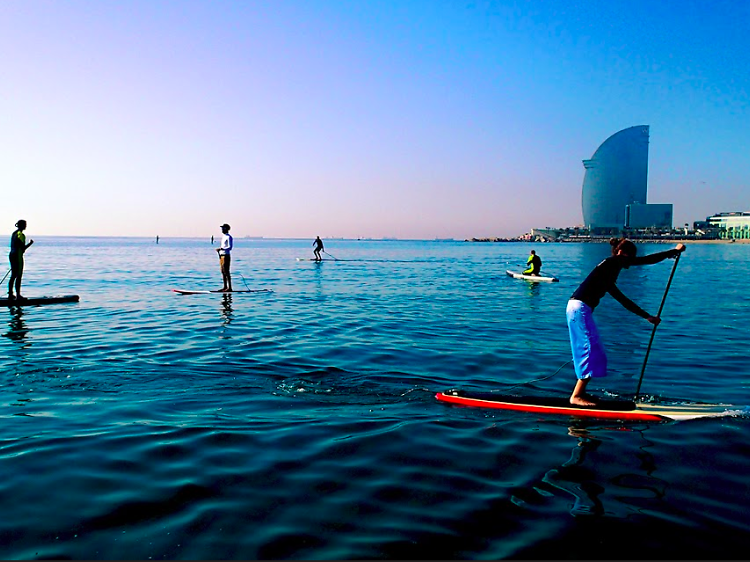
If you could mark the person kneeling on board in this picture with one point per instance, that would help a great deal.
(589, 358)
(225, 258)
(534, 264)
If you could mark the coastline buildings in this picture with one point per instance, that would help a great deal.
(730, 226)
(614, 201)
(615, 189)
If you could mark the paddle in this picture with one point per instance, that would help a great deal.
(653, 332)
(326, 253)
(243, 280)
(5, 276)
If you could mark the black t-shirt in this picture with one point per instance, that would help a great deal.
(603, 280)
(599, 281)
(536, 263)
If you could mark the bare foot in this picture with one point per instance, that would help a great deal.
(581, 401)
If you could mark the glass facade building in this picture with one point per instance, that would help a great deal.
(616, 176)
(649, 215)
(733, 226)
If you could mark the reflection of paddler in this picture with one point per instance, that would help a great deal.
(534, 264)
(18, 247)
(17, 325)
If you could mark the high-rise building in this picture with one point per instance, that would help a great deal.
(653, 215)
(616, 176)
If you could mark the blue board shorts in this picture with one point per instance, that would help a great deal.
(589, 358)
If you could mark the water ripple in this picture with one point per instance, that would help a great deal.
(302, 423)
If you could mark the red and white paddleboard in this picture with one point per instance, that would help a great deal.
(606, 409)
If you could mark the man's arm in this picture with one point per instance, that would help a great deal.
(627, 303)
(659, 256)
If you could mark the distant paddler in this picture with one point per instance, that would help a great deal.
(533, 264)
(225, 257)
(318, 244)
(589, 358)
(18, 247)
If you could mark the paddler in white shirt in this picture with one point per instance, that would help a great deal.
(225, 259)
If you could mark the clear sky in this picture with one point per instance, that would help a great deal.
(354, 118)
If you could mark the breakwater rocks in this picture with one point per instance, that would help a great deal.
(496, 240)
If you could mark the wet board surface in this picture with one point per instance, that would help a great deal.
(606, 409)
(36, 301)
(217, 292)
(537, 278)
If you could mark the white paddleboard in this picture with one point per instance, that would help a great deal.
(188, 292)
(536, 278)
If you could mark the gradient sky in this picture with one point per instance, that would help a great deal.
(411, 118)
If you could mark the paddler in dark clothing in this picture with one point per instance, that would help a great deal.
(589, 358)
(534, 264)
(18, 247)
(318, 243)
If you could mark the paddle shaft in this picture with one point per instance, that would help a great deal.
(5, 276)
(653, 332)
(326, 253)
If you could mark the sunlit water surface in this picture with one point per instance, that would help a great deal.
(302, 422)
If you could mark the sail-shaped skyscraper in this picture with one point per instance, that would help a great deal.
(616, 176)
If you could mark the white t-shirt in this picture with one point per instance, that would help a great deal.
(226, 245)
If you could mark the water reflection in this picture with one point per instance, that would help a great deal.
(227, 312)
(318, 272)
(532, 290)
(577, 480)
(17, 328)
(587, 476)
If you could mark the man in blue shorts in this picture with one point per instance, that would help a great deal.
(589, 358)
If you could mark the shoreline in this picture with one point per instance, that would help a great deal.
(688, 241)
(606, 240)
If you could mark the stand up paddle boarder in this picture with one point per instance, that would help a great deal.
(225, 258)
(318, 243)
(18, 247)
(589, 358)
(533, 264)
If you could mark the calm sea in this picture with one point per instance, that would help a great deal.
(302, 423)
